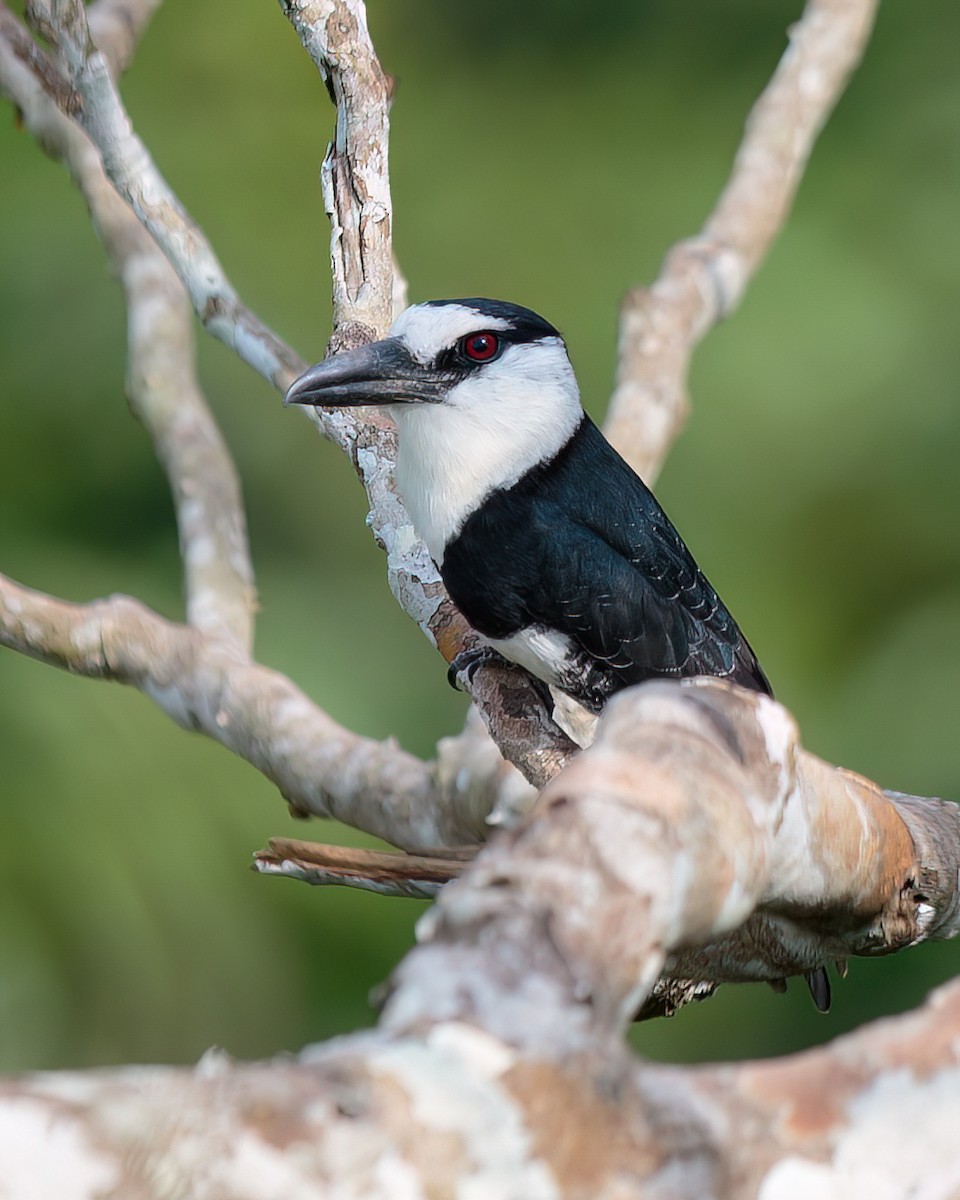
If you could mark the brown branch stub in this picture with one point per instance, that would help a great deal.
(390, 873)
(703, 279)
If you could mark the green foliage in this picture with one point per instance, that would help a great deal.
(816, 482)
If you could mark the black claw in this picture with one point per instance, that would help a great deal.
(818, 981)
(468, 662)
(543, 691)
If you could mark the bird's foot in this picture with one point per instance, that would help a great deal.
(465, 665)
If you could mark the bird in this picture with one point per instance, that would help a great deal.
(549, 543)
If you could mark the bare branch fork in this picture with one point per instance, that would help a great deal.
(695, 842)
(322, 768)
(80, 82)
(201, 673)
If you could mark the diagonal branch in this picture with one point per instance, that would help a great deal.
(699, 841)
(695, 839)
(704, 278)
(133, 173)
(206, 684)
(161, 378)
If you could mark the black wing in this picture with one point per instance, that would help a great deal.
(640, 611)
(586, 550)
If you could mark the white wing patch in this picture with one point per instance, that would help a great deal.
(545, 653)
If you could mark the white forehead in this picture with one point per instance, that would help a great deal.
(427, 329)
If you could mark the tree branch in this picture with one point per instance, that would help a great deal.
(704, 278)
(118, 26)
(161, 381)
(207, 684)
(133, 173)
(361, 236)
(694, 840)
(356, 187)
(499, 1061)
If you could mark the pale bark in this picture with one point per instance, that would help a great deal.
(320, 768)
(694, 844)
(703, 279)
(499, 1063)
(452, 1111)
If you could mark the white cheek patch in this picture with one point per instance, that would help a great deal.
(490, 430)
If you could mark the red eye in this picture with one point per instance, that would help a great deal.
(481, 347)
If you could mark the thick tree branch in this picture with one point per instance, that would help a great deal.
(704, 278)
(452, 1110)
(499, 1062)
(695, 840)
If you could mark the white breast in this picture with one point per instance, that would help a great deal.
(488, 432)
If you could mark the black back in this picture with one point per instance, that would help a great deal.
(585, 549)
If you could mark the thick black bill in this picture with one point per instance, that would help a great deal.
(379, 373)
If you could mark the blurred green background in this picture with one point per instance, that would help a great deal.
(543, 157)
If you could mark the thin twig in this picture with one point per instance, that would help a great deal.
(704, 278)
(413, 876)
(136, 177)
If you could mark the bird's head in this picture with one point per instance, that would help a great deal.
(482, 356)
(481, 390)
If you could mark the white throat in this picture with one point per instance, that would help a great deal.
(490, 430)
